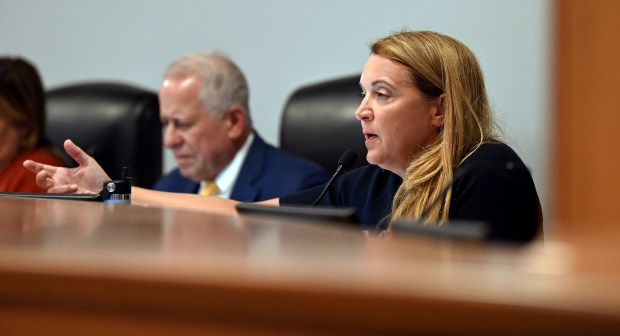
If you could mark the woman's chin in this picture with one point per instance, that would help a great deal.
(373, 159)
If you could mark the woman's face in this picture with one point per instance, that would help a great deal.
(10, 137)
(397, 120)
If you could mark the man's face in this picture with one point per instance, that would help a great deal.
(200, 142)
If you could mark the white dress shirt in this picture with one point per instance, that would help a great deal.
(225, 180)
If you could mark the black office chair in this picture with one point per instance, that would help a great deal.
(117, 124)
(318, 122)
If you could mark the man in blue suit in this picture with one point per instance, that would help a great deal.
(205, 112)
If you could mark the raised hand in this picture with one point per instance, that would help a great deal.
(87, 178)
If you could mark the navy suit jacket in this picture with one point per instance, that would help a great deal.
(266, 173)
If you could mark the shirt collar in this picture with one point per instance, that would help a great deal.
(226, 178)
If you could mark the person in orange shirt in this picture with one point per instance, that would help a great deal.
(22, 125)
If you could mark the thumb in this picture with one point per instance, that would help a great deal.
(76, 152)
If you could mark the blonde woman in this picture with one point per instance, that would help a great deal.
(430, 138)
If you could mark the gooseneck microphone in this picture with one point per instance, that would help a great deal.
(346, 160)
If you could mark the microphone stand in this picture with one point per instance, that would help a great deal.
(345, 161)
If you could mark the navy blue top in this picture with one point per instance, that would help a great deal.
(493, 185)
(266, 173)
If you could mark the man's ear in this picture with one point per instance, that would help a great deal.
(235, 120)
(439, 112)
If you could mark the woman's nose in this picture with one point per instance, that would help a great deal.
(363, 111)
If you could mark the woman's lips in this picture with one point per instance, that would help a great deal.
(369, 137)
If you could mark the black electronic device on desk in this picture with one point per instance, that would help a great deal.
(117, 191)
(455, 229)
(75, 197)
(344, 215)
(314, 212)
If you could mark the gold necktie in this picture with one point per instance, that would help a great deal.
(210, 189)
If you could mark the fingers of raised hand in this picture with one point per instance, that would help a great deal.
(43, 181)
(76, 152)
(33, 166)
(68, 188)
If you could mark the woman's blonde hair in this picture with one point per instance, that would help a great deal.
(439, 65)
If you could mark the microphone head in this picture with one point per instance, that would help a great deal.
(347, 158)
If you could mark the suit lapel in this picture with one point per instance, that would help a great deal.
(245, 189)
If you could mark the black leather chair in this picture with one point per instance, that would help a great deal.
(318, 122)
(118, 124)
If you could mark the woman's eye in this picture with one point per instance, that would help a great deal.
(363, 95)
(382, 96)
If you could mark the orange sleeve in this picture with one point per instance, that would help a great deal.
(16, 178)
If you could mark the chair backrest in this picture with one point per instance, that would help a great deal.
(318, 122)
(118, 124)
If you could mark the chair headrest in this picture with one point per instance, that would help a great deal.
(116, 123)
(318, 122)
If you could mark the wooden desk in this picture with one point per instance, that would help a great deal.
(79, 268)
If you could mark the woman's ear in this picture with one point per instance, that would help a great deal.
(23, 130)
(439, 113)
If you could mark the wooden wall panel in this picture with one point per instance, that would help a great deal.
(586, 151)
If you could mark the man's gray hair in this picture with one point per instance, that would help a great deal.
(223, 83)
